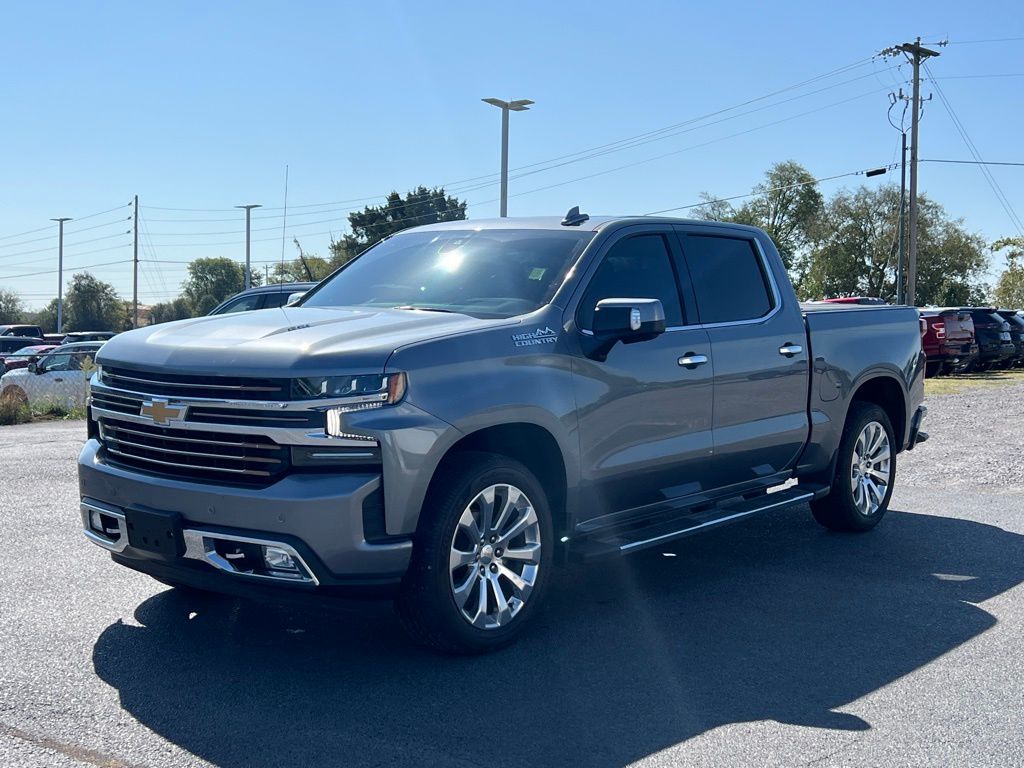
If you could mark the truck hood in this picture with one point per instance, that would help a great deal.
(285, 341)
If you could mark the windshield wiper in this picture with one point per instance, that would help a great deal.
(427, 309)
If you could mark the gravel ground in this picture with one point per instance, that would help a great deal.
(981, 433)
(768, 643)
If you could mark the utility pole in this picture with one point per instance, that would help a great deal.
(135, 266)
(915, 53)
(900, 295)
(248, 231)
(519, 105)
(60, 271)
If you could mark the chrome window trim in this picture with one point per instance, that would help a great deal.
(776, 297)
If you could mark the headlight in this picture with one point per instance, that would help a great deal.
(373, 390)
(358, 393)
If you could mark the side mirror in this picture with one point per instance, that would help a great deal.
(293, 298)
(32, 367)
(625, 320)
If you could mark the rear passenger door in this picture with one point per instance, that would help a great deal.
(761, 372)
(644, 418)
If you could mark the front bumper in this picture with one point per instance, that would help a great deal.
(319, 516)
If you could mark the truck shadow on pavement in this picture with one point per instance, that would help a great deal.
(774, 619)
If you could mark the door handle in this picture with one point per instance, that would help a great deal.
(788, 350)
(691, 361)
(58, 380)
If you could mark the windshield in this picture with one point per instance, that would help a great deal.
(486, 273)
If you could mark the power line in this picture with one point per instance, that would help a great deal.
(989, 40)
(66, 246)
(861, 172)
(54, 271)
(971, 162)
(698, 146)
(1004, 201)
(977, 77)
(585, 154)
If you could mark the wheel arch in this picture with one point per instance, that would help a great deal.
(887, 393)
(532, 445)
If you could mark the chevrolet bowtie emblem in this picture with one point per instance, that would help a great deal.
(162, 412)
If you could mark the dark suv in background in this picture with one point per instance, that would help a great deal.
(1013, 317)
(992, 331)
(948, 340)
(263, 297)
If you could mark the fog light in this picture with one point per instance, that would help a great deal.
(278, 559)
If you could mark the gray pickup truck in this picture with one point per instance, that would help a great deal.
(456, 412)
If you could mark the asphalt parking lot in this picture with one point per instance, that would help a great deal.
(771, 642)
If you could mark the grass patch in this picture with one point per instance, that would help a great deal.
(55, 411)
(13, 412)
(968, 382)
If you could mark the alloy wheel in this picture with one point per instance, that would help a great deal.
(870, 468)
(495, 556)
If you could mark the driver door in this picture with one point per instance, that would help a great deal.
(644, 417)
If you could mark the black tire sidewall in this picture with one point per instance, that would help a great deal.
(861, 415)
(436, 619)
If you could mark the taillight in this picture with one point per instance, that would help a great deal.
(924, 325)
(939, 327)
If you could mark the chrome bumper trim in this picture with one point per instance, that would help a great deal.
(87, 508)
(199, 545)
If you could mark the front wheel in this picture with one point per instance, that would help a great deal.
(864, 475)
(482, 556)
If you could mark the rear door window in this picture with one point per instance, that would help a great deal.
(728, 278)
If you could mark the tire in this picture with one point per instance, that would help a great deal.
(931, 370)
(436, 598)
(845, 508)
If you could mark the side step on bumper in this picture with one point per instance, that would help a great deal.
(623, 541)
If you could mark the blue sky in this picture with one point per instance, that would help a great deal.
(201, 105)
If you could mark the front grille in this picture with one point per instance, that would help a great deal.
(204, 456)
(130, 403)
(186, 386)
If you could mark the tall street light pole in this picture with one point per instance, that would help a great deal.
(60, 271)
(519, 105)
(248, 231)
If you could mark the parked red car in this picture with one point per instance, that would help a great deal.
(948, 339)
(22, 357)
(872, 300)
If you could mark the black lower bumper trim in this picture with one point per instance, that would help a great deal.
(203, 577)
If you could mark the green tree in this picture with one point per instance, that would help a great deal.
(212, 280)
(855, 249)
(787, 205)
(11, 308)
(305, 268)
(46, 318)
(166, 311)
(374, 223)
(1009, 290)
(93, 305)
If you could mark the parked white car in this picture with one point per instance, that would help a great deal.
(57, 377)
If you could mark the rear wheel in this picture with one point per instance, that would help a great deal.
(932, 369)
(482, 557)
(864, 475)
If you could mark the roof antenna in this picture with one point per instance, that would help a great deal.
(574, 218)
